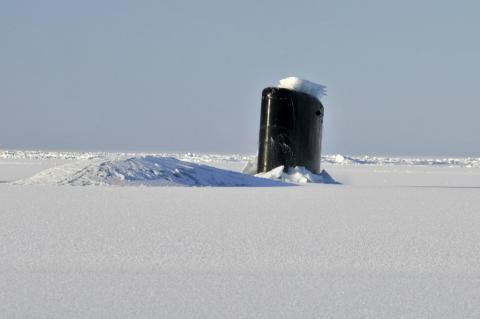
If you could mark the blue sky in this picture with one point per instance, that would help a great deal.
(402, 76)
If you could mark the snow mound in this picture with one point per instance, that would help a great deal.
(145, 170)
(305, 86)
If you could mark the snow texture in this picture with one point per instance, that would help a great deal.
(305, 86)
(146, 171)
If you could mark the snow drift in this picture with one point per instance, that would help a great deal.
(145, 170)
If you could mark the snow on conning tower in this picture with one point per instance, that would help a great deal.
(291, 123)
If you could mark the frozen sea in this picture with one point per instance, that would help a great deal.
(399, 238)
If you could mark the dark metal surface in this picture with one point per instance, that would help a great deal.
(291, 125)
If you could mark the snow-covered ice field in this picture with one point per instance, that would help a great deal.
(399, 238)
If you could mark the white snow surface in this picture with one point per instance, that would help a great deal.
(305, 86)
(397, 239)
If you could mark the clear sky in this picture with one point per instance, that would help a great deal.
(403, 77)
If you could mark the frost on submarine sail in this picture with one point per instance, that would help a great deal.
(291, 123)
